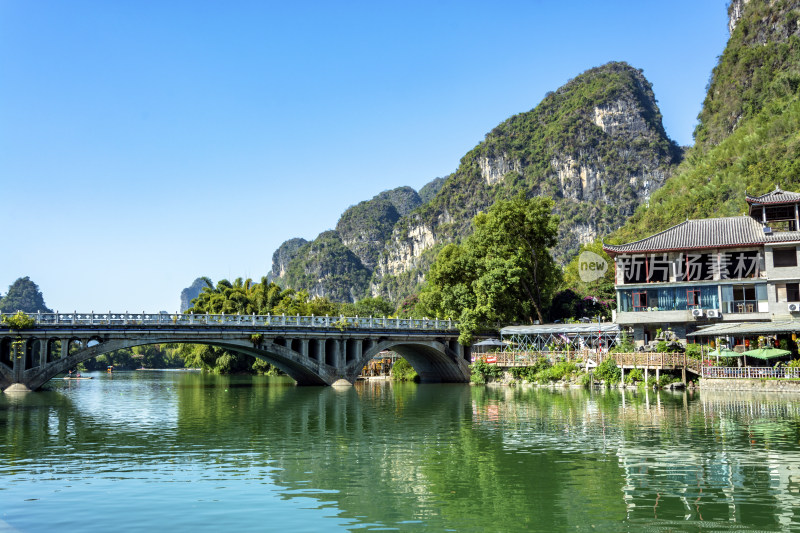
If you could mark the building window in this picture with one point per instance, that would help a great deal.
(793, 292)
(744, 298)
(640, 301)
(784, 257)
(692, 298)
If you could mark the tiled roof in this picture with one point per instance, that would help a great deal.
(695, 234)
(782, 236)
(778, 196)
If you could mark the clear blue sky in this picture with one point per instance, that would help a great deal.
(146, 143)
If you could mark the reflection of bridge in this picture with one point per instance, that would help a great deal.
(312, 350)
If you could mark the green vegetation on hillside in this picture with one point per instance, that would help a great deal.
(755, 93)
(326, 267)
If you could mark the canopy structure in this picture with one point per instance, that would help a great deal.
(773, 327)
(541, 337)
(767, 353)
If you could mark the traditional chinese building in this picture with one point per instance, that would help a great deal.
(738, 271)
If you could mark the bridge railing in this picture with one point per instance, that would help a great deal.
(190, 320)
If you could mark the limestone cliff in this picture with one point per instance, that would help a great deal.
(283, 256)
(596, 145)
(191, 292)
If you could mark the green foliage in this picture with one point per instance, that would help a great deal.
(149, 356)
(608, 371)
(403, 371)
(586, 380)
(245, 297)
(502, 273)
(327, 265)
(694, 351)
(482, 372)
(257, 339)
(634, 376)
(578, 298)
(529, 373)
(625, 344)
(23, 295)
(559, 371)
(794, 363)
(747, 138)
(376, 307)
(19, 321)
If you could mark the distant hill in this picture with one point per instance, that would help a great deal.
(23, 295)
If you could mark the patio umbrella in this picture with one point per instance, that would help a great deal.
(766, 353)
(724, 352)
(490, 342)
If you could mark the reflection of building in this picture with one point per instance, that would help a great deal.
(738, 271)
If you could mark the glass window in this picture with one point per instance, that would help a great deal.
(639, 301)
(793, 292)
(784, 257)
(692, 297)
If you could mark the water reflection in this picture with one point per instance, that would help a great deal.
(398, 456)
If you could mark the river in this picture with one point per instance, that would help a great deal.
(179, 451)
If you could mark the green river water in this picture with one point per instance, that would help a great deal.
(178, 451)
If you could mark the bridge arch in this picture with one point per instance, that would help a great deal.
(434, 361)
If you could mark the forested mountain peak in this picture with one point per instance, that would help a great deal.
(748, 136)
(596, 145)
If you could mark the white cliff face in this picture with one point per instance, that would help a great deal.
(735, 13)
(620, 118)
(494, 168)
(404, 251)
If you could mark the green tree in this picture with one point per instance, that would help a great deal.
(502, 273)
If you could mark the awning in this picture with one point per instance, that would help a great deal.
(749, 328)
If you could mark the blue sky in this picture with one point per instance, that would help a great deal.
(146, 143)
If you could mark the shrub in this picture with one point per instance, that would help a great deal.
(693, 351)
(635, 375)
(625, 345)
(481, 372)
(586, 380)
(403, 371)
(19, 321)
(607, 371)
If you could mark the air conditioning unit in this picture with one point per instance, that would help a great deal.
(794, 308)
(713, 313)
(697, 313)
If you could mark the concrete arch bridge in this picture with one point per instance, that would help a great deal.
(312, 350)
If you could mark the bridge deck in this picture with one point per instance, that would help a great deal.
(262, 321)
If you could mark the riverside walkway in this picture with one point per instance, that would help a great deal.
(313, 350)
